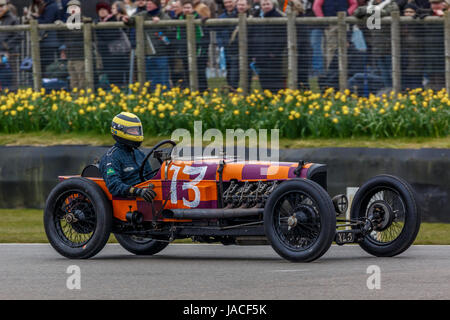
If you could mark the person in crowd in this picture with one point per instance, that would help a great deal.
(12, 8)
(304, 52)
(420, 4)
(438, 7)
(380, 40)
(157, 44)
(174, 9)
(243, 6)
(57, 72)
(8, 47)
(202, 9)
(103, 10)
(74, 42)
(330, 8)
(313, 35)
(63, 8)
(177, 71)
(409, 10)
(113, 46)
(31, 12)
(130, 7)
(402, 3)
(121, 56)
(164, 5)
(212, 5)
(103, 64)
(231, 48)
(411, 61)
(6, 76)
(433, 43)
(141, 6)
(45, 12)
(270, 44)
(255, 10)
(202, 38)
(118, 10)
(9, 41)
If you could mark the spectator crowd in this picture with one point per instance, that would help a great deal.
(369, 50)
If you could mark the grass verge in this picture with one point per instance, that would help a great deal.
(44, 138)
(26, 226)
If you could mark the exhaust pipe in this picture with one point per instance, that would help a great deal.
(215, 213)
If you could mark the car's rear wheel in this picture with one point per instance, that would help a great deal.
(140, 246)
(77, 218)
(389, 202)
(300, 221)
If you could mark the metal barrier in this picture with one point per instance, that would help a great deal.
(285, 52)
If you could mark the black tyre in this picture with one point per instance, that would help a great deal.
(299, 220)
(391, 203)
(140, 246)
(77, 218)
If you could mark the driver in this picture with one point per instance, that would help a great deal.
(120, 165)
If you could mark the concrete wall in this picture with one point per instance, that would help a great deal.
(27, 174)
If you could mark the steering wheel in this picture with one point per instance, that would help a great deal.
(152, 150)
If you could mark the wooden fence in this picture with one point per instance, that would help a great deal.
(290, 21)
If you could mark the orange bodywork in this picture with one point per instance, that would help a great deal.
(183, 184)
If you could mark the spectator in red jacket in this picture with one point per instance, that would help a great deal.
(330, 8)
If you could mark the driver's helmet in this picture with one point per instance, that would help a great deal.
(126, 128)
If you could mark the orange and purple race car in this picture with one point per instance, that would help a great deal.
(227, 201)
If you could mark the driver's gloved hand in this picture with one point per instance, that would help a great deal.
(148, 194)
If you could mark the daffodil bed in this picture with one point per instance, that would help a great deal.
(297, 114)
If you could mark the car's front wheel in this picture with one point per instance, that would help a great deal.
(299, 220)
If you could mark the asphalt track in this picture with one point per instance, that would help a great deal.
(195, 272)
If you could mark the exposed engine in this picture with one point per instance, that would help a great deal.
(248, 194)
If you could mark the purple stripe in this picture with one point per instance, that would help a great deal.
(254, 171)
(157, 176)
(119, 198)
(212, 204)
(210, 171)
(146, 208)
(166, 185)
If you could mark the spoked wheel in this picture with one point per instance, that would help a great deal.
(299, 220)
(140, 246)
(77, 218)
(389, 204)
(74, 219)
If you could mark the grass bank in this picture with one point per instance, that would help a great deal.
(26, 226)
(45, 138)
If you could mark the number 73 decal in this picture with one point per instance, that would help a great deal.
(192, 185)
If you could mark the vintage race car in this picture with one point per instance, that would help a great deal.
(228, 201)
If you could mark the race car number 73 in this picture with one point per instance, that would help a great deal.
(200, 172)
